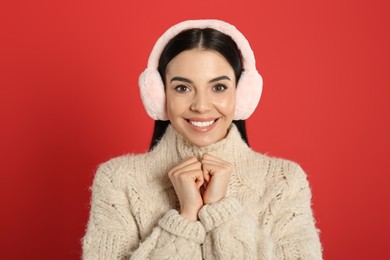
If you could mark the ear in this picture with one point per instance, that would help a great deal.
(153, 94)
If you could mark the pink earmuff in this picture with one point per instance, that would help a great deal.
(249, 86)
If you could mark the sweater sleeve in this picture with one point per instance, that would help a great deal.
(293, 229)
(112, 232)
(231, 233)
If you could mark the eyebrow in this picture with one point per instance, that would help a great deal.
(190, 82)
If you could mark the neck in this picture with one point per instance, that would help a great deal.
(225, 148)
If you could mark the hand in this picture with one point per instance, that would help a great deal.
(187, 178)
(217, 174)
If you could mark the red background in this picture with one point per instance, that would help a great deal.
(70, 100)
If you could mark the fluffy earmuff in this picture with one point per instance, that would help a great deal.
(249, 86)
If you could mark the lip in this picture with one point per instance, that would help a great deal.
(204, 128)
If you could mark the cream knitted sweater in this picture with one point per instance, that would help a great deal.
(265, 215)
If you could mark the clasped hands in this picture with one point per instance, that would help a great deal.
(200, 182)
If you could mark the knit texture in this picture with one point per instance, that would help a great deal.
(266, 213)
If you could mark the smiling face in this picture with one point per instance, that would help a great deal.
(201, 92)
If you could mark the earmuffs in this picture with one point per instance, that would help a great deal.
(249, 86)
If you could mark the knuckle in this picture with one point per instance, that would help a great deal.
(173, 174)
(228, 165)
(192, 159)
(182, 177)
(176, 174)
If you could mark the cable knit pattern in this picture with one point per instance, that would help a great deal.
(220, 212)
(179, 226)
(265, 215)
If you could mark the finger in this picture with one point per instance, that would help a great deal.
(187, 161)
(214, 161)
(183, 164)
(193, 175)
(217, 165)
(211, 168)
(207, 156)
(199, 181)
(190, 167)
(206, 173)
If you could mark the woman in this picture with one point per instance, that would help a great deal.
(201, 192)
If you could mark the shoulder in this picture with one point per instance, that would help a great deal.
(275, 170)
(288, 179)
(279, 164)
(119, 171)
(286, 169)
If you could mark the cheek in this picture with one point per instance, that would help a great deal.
(175, 106)
(226, 106)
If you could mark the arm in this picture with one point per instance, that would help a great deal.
(112, 231)
(293, 231)
(290, 233)
(230, 232)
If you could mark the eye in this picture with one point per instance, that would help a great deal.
(182, 88)
(219, 88)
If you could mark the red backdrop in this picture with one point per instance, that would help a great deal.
(69, 101)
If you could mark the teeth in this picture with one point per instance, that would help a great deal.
(202, 124)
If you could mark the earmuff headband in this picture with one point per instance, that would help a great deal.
(249, 86)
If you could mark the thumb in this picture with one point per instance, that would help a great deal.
(199, 181)
(206, 175)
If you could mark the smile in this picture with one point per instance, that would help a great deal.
(202, 125)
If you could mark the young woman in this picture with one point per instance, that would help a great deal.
(201, 192)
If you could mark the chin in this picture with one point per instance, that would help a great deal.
(202, 141)
(203, 137)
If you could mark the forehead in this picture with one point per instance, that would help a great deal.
(199, 63)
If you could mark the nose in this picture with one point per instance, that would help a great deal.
(201, 103)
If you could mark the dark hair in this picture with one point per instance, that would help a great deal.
(208, 39)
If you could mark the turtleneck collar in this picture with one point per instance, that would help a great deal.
(225, 149)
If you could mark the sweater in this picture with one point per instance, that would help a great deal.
(266, 213)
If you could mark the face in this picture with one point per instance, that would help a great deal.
(200, 91)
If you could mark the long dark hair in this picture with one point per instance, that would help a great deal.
(208, 39)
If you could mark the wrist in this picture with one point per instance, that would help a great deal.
(189, 214)
(190, 217)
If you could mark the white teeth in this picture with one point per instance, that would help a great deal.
(202, 124)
